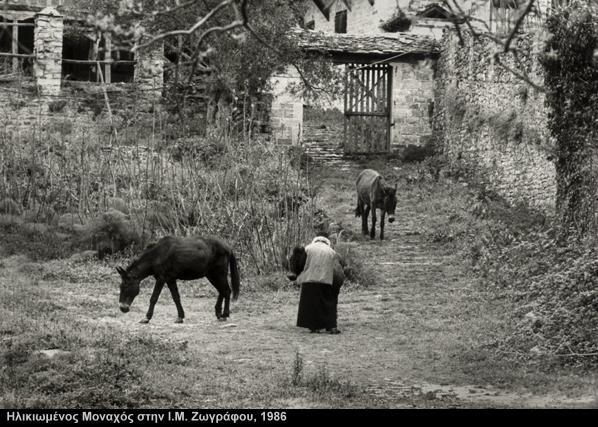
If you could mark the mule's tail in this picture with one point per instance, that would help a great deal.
(234, 276)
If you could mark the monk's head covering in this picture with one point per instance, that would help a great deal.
(321, 239)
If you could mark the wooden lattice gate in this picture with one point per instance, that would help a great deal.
(368, 91)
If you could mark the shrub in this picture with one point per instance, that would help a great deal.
(299, 158)
(356, 271)
(416, 153)
(10, 207)
(57, 106)
(36, 241)
(70, 222)
(397, 22)
(207, 150)
(110, 233)
(118, 204)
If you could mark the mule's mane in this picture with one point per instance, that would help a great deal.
(142, 257)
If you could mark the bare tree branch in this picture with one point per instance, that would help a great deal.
(191, 30)
(518, 24)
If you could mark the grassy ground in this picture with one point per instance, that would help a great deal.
(423, 333)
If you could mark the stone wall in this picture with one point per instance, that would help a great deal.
(491, 125)
(149, 71)
(24, 109)
(363, 18)
(412, 96)
(47, 64)
(286, 115)
(21, 109)
(47, 67)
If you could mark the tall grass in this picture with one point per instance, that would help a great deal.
(229, 182)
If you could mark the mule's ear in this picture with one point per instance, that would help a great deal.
(122, 272)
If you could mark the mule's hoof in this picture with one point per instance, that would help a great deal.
(178, 320)
(222, 319)
(144, 321)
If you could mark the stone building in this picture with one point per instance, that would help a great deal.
(401, 36)
(389, 59)
(48, 41)
(422, 17)
(501, 135)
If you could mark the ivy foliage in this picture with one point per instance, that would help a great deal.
(571, 79)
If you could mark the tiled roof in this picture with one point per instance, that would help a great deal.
(379, 45)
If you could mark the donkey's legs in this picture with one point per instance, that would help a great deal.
(373, 229)
(174, 291)
(226, 291)
(382, 217)
(220, 282)
(153, 300)
(359, 208)
(364, 220)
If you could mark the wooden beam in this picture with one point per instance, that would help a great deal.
(16, 24)
(82, 61)
(365, 113)
(107, 56)
(16, 55)
(368, 58)
(15, 47)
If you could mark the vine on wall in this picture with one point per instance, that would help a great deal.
(571, 79)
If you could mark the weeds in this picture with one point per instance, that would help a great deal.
(297, 372)
(95, 367)
(320, 384)
(232, 185)
(38, 243)
(514, 248)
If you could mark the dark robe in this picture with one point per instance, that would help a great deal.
(317, 306)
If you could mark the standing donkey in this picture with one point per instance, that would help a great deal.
(181, 258)
(373, 194)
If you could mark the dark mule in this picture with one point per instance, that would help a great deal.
(187, 258)
(296, 264)
(372, 194)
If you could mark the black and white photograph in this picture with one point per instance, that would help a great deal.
(265, 211)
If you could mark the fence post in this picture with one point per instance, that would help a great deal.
(48, 33)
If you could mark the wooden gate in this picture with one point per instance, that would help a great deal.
(368, 91)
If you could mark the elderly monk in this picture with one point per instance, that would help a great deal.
(319, 295)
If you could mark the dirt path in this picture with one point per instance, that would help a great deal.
(403, 340)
